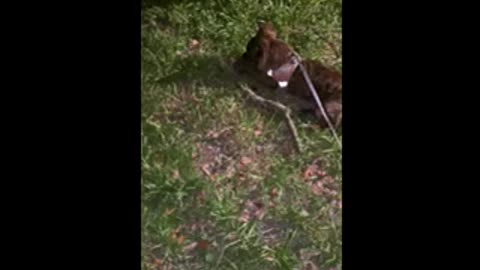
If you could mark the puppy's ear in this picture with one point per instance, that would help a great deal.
(265, 25)
(261, 23)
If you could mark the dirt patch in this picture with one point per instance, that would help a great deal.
(215, 155)
(223, 152)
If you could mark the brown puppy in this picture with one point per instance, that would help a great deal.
(273, 52)
(265, 58)
(266, 51)
(327, 83)
(269, 61)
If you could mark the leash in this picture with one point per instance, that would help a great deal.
(297, 60)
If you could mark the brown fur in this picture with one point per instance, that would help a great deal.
(265, 52)
(327, 83)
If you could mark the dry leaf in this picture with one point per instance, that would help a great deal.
(245, 217)
(274, 192)
(259, 213)
(205, 169)
(314, 172)
(190, 247)
(328, 180)
(176, 236)
(258, 205)
(193, 44)
(310, 172)
(304, 213)
(213, 134)
(180, 239)
(175, 174)
(230, 171)
(309, 266)
(168, 212)
(332, 192)
(317, 188)
(157, 263)
(252, 210)
(245, 160)
(202, 245)
(257, 133)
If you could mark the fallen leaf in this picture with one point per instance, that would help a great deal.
(274, 192)
(241, 177)
(230, 171)
(193, 44)
(328, 179)
(317, 188)
(331, 192)
(245, 160)
(180, 239)
(310, 266)
(252, 210)
(258, 205)
(202, 245)
(175, 174)
(176, 236)
(310, 172)
(212, 134)
(259, 213)
(190, 247)
(157, 263)
(249, 204)
(245, 217)
(304, 213)
(257, 133)
(205, 169)
(168, 212)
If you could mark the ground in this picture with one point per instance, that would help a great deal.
(222, 187)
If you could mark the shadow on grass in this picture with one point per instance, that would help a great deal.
(223, 73)
(209, 71)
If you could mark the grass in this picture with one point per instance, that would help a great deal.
(222, 187)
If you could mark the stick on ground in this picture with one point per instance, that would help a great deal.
(279, 106)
